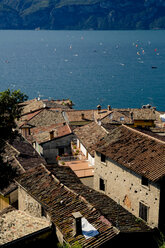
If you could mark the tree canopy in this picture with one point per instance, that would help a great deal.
(10, 109)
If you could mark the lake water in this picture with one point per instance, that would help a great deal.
(89, 67)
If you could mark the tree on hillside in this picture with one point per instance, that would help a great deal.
(9, 109)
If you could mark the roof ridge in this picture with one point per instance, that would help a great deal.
(144, 134)
(12, 147)
(66, 187)
(19, 164)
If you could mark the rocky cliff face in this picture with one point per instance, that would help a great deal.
(82, 14)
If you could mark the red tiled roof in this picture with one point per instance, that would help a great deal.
(42, 134)
(85, 115)
(136, 151)
(89, 135)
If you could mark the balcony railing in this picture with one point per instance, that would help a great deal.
(69, 158)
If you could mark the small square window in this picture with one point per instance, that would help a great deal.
(143, 211)
(122, 118)
(103, 158)
(144, 181)
(102, 185)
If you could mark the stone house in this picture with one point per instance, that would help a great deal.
(20, 154)
(129, 168)
(40, 118)
(78, 118)
(52, 141)
(144, 118)
(79, 213)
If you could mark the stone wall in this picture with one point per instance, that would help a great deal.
(28, 204)
(88, 181)
(124, 186)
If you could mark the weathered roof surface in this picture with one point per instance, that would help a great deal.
(135, 150)
(63, 103)
(85, 115)
(21, 155)
(118, 117)
(61, 202)
(15, 224)
(35, 105)
(128, 116)
(109, 127)
(25, 118)
(144, 114)
(116, 214)
(47, 117)
(42, 134)
(89, 135)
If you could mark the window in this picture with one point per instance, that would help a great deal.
(144, 181)
(122, 118)
(103, 158)
(143, 211)
(43, 213)
(60, 151)
(102, 185)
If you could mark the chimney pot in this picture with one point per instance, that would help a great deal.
(77, 228)
(51, 135)
(98, 107)
(109, 108)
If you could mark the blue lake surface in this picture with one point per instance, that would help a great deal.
(89, 67)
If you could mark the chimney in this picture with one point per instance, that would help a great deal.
(82, 115)
(51, 135)
(109, 108)
(98, 108)
(77, 228)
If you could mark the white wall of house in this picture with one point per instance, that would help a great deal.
(91, 159)
(83, 149)
(125, 187)
(85, 152)
(38, 148)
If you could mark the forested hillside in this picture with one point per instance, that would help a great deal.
(82, 14)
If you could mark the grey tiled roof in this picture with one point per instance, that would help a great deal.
(60, 202)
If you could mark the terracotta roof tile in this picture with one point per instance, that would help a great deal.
(128, 116)
(21, 155)
(137, 151)
(89, 135)
(16, 224)
(85, 115)
(42, 134)
(47, 117)
(61, 202)
(35, 105)
(114, 213)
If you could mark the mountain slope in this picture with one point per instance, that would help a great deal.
(81, 14)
